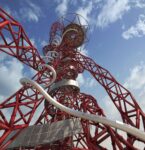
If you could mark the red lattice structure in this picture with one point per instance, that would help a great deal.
(66, 36)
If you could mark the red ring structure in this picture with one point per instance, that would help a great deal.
(73, 35)
(23, 105)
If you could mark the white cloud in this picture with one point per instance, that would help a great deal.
(8, 10)
(112, 11)
(31, 12)
(33, 42)
(141, 98)
(86, 81)
(81, 79)
(110, 110)
(61, 9)
(11, 12)
(138, 3)
(85, 13)
(11, 71)
(136, 83)
(137, 30)
(83, 50)
(44, 43)
(136, 79)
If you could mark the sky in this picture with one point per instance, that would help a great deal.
(116, 42)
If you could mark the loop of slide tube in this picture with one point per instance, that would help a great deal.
(91, 117)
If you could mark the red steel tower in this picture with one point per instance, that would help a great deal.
(66, 36)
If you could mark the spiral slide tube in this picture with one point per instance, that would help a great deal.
(58, 40)
(95, 118)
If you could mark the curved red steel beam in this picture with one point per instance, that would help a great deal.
(15, 42)
(124, 101)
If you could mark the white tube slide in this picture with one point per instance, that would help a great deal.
(95, 118)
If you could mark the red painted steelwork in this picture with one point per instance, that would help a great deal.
(16, 43)
(17, 111)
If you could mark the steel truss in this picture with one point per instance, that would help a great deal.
(22, 105)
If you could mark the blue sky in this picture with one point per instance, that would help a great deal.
(116, 41)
